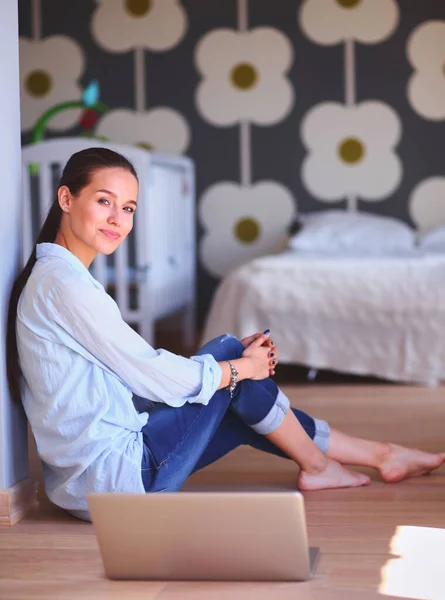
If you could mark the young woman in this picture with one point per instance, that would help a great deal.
(110, 413)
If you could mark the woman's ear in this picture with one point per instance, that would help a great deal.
(64, 197)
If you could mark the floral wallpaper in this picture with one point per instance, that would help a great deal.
(285, 106)
(352, 144)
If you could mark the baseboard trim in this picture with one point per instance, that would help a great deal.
(17, 501)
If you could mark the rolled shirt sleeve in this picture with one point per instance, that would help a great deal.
(88, 314)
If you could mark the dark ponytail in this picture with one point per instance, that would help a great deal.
(76, 175)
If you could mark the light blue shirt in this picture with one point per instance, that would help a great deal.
(81, 365)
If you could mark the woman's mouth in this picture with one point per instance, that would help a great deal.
(113, 235)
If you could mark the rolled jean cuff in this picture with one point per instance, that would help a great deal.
(274, 417)
(322, 433)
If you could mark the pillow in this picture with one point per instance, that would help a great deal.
(433, 241)
(352, 233)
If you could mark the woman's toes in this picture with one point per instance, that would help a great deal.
(402, 463)
(364, 479)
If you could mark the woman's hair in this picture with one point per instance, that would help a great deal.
(76, 175)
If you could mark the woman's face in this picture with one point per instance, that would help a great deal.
(101, 215)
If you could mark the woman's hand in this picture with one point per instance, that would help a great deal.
(251, 338)
(268, 343)
(258, 353)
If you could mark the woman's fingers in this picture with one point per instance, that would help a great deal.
(250, 339)
(247, 341)
(273, 354)
(272, 367)
(268, 342)
(260, 340)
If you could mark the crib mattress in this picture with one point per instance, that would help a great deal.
(375, 316)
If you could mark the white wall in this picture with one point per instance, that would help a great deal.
(13, 442)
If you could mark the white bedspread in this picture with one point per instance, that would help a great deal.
(381, 316)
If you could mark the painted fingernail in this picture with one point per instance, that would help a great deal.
(273, 362)
(267, 331)
(271, 354)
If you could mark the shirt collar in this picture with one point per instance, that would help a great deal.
(48, 249)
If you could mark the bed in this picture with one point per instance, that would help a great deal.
(152, 274)
(379, 316)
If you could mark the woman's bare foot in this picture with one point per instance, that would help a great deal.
(332, 476)
(401, 463)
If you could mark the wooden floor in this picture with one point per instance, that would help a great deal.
(383, 539)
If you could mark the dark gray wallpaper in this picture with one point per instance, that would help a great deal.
(317, 74)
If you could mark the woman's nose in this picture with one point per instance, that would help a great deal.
(114, 217)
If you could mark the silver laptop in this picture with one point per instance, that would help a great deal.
(235, 536)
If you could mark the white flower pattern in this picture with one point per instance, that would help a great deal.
(244, 76)
(427, 203)
(122, 25)
(49, 75)
(426, 86)
(160, 129)
(242, 223)
(329, 22)
(351, 151)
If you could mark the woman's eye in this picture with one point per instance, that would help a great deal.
(129, 209)
(103, 201)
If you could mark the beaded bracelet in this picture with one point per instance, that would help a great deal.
(233, 379)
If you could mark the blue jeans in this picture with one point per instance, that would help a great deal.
(180, 441)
